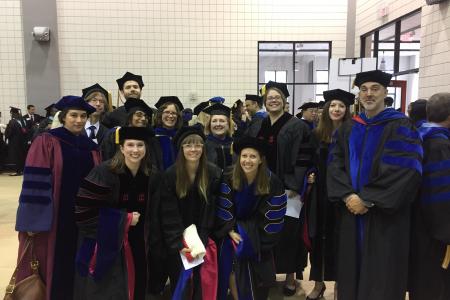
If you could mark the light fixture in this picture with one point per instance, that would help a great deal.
(382, 66)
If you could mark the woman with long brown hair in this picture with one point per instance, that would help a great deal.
(188, 193)
(250, 216)
(321, 212)
(111, 205)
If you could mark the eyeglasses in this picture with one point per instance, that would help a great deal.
(274, 98)
(95, 100)
(140, 114)
(170, 113)
(193, 146)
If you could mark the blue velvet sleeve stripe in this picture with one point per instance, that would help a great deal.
(436, 181)
(223, 214)
(275, 214)
(224, 202)
(35, 199)
(403, 162)
(274, 227)
(403, 146)
(436, 166)
(441, 197)
(278, 200)
(36, 185)
(406, 132)
(224, 188)
(37, 170)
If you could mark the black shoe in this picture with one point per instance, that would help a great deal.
(288, 292)
(319, 296)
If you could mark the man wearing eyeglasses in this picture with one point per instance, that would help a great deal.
(97, 97)
(373, 177)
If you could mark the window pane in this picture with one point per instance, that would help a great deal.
(269, 75)
(386, 61)
(308, 93)
(280, 76)
(307, 64)
(410, 43)
(275, 46)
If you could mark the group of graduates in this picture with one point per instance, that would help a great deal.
(109, 198)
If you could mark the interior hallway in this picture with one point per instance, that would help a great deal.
(9, 193)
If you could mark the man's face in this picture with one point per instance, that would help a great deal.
(372, 96)
(310, 114)
(131, 89)
(99, 103)
(274, 102)
(32, 110)
(251, 107)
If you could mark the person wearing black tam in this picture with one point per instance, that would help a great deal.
(250, 213)
(255, 112)
(308, 113)
(239, 118)
(111, 206)
(130, 86)
(388, 101)
(219, 140)
(202, 117)
(16, 133)
(188, 192)
(373, 175)
(46, 123)
(96, 96)
(417, 112)
(286, 135)
(321, 213)
(57, 162)
(168, 121)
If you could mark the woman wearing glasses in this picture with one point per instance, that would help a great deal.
(188, 194)
(167, 121)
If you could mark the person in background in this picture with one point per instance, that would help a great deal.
(111, 209)
(31, 119)
(16, 135)
(373, 176)
(417, 112)
(239, 118)
(429, 272)
(308, 114)
(130, 86)
(321, 213)
(319, 111)
(249, 217)
(219, 140)
(187, 114)
(388, 102)
(96, 96)
(57, 162)
(188, 193)
(256, 113)
(202, 118)
(286, 135)
(168, 121)
(46, 123)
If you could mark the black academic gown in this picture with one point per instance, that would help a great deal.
(321, 218)
(380, 160)
(168, 217)
(431, 219)
(17, 135)
(259, 220)
(287, 137)
(218, 151)
(117, 117)
(105, 195)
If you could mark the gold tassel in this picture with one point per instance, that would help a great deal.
(446, 260)
(117, 135)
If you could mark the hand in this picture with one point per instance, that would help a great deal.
(135, 218)
(186, 250)
(236, 237)
(312, 178)
(355, 205)
(291, 193)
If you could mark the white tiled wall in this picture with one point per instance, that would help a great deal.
(434, 72)
(12, 78)
(185, 47)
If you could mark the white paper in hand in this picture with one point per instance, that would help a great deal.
(193, 241)
(190, 264)
(294, 206)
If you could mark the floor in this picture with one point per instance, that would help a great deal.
(9, 193)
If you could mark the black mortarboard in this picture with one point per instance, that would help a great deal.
(217, 99)
(135, 133)
(308, 105)
(320, 104)
(200, 107)
(381, 77)
(278, 85)
(130, 76)
(94, 88)
(185, 131)
(250, 142)
(218, 109)
(48, 108)
(254, 98)
(132, 105)
(388, 101)
(338, 94)
(14, 110)
(169, 99)
(74, 102)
